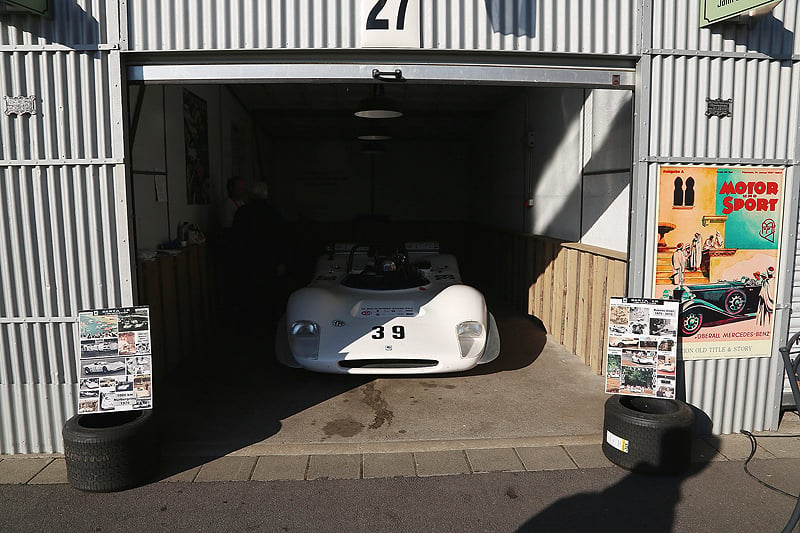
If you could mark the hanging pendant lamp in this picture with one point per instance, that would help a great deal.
(374, 131)
(378, 105)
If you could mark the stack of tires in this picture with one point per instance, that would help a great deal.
(107, 452)
(648, 435)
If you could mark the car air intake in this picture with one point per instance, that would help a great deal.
(388, 363)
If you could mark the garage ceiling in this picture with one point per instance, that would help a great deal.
(325, 110)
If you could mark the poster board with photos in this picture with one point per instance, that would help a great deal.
(114, 360)
(642, 347)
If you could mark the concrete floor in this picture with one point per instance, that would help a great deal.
(535, 392)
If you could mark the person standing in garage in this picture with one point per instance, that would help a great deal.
(257, 234)
(226, 248)
(237, 196)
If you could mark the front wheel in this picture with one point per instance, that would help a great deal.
(691, 322)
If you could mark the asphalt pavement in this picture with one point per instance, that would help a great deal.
(716, 496)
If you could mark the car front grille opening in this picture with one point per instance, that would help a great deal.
(388, 363)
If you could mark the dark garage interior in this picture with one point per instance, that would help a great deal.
(500, 176)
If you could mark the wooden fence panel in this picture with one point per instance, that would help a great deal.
(169, 303)
(582, 348)
(570, 294)
(600, 314)
(182, 292)
(572, 321)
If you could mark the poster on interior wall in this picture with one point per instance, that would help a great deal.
(114, 360)
(719, 234)
(642, 345)
(195, 138)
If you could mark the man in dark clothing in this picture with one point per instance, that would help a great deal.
(259, 243)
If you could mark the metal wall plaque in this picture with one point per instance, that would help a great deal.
(20, 105)
(719, 107)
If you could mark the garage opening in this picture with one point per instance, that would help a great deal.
(502, 176)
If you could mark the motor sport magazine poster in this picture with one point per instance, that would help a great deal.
(114, 360)
(719, 234)
(641, 349)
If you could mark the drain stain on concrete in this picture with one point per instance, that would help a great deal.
(343, 427)
(374, 399)
(434, 385)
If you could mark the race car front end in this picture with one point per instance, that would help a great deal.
(408, 331)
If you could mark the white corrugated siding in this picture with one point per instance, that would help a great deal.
(63, 230)
(73, 23)
(753, 65)
(74, 104)
(676, 27)
(62, 250)
(764, 107)
(570, 26)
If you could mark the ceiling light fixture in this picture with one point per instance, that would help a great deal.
(378, 105)
(374, 132)
(374, 136)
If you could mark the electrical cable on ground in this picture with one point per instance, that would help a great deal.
(753, 446)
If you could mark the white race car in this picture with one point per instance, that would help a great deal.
(387, 309)
(102, 367)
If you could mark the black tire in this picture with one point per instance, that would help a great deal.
(107, 452)
(648, 435)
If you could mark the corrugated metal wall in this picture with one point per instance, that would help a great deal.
(64, 233)
(676, 28)
(573, 26)
(71, 24)
(64, 225)
(753, 64)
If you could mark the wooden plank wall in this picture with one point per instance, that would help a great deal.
(570, 293)
(565, 285)
(182, 294)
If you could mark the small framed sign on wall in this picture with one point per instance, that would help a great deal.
(390, 24)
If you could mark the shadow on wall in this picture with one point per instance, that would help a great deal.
(765, 34)
(512, 17)
(623, 119)
(66, 23)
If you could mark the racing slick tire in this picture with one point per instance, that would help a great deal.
(648, 435)
(108, 452)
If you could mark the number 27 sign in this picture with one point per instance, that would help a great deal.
(390, 23)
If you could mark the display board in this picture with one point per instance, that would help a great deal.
(719, 232)
(642, 347)
(114, 360)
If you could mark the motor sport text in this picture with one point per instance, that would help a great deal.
(749, 189)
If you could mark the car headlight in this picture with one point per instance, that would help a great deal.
(304, 339)
(470, 338)
(304, 328)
